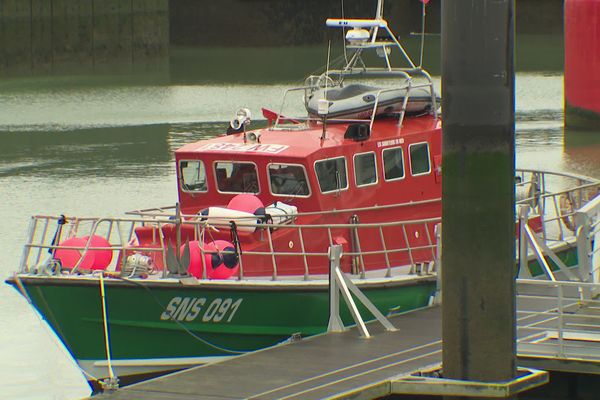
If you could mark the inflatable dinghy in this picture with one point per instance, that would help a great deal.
(357, 101)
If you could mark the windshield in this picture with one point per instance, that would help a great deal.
(236, 177)
(331, 174)
(288, 180)
(193, 176)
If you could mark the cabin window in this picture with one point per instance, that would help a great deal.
(331, 174)
(236, 177)
(192, 176)
(419, 159)
(365, 169)
(288, 180)
(393, 164)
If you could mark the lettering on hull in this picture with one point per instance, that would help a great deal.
(190, 309)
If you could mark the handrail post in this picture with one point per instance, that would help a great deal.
(42, 239)
(386, 254)
(561, 344)
(582, 233)
(27, 248)
(438, 263)
(523, 248)
(270, 238)
(335, 322)
(303, 249)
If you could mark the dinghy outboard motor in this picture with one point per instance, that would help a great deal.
(238, 124)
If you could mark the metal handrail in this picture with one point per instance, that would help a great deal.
(43, 243)
(559, 327)
(408, 86)
(40, 235)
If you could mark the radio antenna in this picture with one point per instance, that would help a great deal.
(424, 13)
(325, 102)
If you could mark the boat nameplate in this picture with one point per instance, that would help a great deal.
(390, 142)
(244, 147)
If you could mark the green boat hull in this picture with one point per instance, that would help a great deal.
(164, 325)
(150, 320)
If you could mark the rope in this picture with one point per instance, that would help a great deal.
(182, 326)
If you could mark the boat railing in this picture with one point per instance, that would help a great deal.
(555, 225)
(315, 82)
(559, 321)
(120, 236)
(554, 198)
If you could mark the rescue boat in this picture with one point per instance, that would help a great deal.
(243, 260)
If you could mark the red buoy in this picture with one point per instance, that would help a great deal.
(196, 267)
(93, 259)
(248, 203)
(102, 258)
(222, 262)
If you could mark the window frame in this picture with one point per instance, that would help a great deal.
(181, 180)
(291, 165)
(317, 175)
(428, 158)
(403, 164)
(233, 162)
(376, 172)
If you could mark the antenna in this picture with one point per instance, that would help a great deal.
(324, 103)
(378, 16)
(424, 13)
(327, 67)
(344, 36)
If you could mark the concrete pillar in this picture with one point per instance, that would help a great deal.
(478, 189)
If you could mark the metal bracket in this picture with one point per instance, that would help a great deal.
(339, 282)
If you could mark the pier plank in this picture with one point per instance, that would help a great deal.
(340, 364)
(318, 367)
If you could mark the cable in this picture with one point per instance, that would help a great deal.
(182, 326)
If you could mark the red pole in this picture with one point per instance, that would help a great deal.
(582, 64)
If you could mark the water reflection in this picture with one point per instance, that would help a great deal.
(197, 65)
(582, 150)
(98, 152)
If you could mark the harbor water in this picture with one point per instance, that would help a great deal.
(94, 147)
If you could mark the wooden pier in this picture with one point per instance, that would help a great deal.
(557, 333)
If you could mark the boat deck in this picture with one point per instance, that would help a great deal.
(344, 365)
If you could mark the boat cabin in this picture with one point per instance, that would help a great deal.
(343, 170)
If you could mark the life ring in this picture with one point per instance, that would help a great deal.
(566, 211)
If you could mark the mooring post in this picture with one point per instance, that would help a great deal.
(478, 190)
